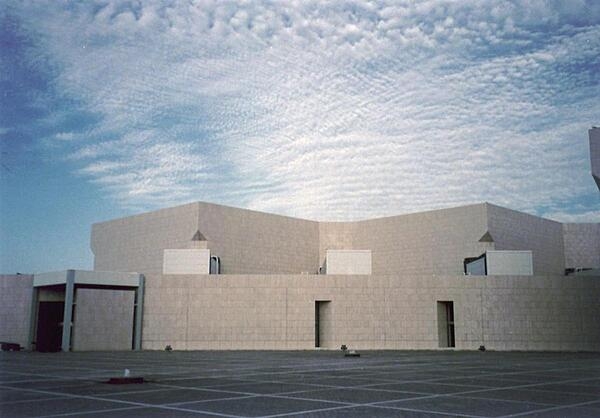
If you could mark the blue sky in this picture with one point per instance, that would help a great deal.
(337, 111)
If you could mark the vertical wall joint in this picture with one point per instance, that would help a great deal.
(33, 318)
(138, 314)
(68, 312)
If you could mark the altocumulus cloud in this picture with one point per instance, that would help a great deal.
(337, 110)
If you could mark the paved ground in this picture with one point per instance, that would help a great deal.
(309, 383)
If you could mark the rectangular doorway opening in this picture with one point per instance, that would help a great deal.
(49, 326)
(445, 315)
(322, 322)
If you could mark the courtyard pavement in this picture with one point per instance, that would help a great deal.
(301, 383)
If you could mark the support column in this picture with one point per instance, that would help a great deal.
(33, 317)
(139, 310)
(68, 313)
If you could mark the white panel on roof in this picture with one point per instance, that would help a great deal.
(186, 261)
(348, 261)
(509, 263)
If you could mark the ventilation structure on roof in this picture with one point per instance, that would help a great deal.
(198, 236)
(487, 237)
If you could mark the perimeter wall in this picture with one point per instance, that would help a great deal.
(103, 320)
(15, 307)
(371, 312)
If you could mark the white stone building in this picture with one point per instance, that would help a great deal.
(461, 277)
(206, 276)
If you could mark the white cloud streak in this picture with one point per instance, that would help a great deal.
(344, 110)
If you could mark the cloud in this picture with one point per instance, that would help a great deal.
(65, 136)
(588, 216)
(343, 110)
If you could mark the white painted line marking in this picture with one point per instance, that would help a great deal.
(426, 411)
(308, 411)
(208, 400)
(99, 411)
(142, 404)
(554, 408)
(30, 400)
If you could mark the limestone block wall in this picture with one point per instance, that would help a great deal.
(542, 313)
(371, 312)
(15, 308)
(103, 320)
(205, 312)
(512, 230)
(433, 242)
(250, 242)
(136, 243)
(246, 241)
(582, 245)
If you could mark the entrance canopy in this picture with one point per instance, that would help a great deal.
(72, 279)
(111, 279)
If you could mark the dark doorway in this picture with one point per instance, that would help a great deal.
(49, 326)
(445, 311)
(317, 330)
(322, 322)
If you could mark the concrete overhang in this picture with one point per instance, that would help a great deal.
(86, 277)
(73, 279)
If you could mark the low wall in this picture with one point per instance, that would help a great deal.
(103, 320)
(15, 308)
(370, 312)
